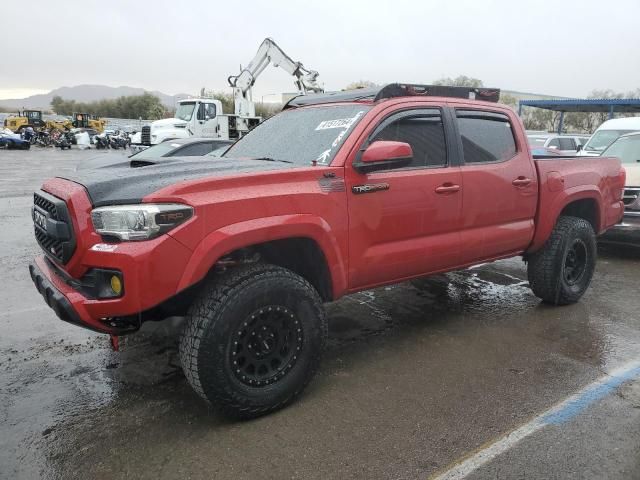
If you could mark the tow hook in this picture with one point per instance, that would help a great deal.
(115, 342)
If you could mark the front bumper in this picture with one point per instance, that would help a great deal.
(63, 299)
(151, 271)
(626, 232)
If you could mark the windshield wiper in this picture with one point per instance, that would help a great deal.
(269, 159)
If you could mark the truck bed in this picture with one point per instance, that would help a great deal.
(589, 179)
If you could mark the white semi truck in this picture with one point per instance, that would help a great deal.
(204, 117)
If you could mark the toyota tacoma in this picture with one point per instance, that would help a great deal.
(339, 193)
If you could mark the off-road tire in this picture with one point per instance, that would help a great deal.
(221, 310)
(549, 268)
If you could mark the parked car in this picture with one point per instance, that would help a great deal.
(627, 149)
(544, 152)
(564, 144)
(13, 141)
(338, 193)
(184, 147)
(607, 133)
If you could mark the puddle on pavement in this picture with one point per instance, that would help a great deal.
(58, 395)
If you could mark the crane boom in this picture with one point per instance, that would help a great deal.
(269, 52)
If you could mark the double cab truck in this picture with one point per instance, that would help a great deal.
(338, 193)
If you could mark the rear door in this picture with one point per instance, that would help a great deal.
(405, 221)
(499, 184)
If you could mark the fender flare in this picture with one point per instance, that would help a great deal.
(261, 230)
(547, 220)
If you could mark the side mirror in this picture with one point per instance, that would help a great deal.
(578, 148)
(384, 155)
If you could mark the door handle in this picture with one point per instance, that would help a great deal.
(447, 188)
(521, 182)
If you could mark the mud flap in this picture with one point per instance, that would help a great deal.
(115, 342)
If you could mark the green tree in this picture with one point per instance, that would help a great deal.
(459, 81)
(147, 106)
(508, 100)
(360, 84)
(266, 110)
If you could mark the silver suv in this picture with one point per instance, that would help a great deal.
(564, 144)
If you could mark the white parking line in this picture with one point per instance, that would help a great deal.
(556, 415)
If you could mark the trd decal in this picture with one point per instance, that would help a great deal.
(370, 188)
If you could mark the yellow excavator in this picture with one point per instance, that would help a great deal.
(86, 120)
(33, 118)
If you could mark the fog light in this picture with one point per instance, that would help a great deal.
(116, 285)
(99, 283)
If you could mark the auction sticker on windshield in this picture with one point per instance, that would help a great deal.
(343, 123)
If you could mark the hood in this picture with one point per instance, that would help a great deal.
(633, 174)
(168, 122)
(104, 160)
(129, 181)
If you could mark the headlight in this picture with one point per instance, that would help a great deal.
(139, 222)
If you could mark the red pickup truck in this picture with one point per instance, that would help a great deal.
(338, 193)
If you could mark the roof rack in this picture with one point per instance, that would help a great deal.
(394, 90)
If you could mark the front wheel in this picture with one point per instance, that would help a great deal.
(253, 339)
(561, 271)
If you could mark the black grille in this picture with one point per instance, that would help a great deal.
(46, 205)
(56, 238)
(145, 135)
(630, 196)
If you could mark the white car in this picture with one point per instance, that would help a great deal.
(607, 133)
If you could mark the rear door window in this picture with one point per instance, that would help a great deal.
(555, 143)
(486, 136)
(567, 144)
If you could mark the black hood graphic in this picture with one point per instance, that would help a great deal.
(129, 181)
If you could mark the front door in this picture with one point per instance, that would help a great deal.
(404, 222)
(206, 120)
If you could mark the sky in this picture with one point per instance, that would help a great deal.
(559, 47)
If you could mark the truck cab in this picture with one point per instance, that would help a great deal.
(194, 117)
(28, 118)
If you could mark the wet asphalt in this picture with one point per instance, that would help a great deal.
(416, 377)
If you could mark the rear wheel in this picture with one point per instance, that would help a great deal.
(253, 339)
(562, 270)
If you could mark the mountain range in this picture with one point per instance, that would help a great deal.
(85, 93)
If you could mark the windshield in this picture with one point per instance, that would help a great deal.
(627, 149)
(603, 138)
(156, 151)
(185, 111)
(301, 135)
